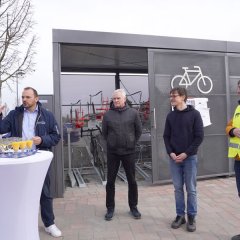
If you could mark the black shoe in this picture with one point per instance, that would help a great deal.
(191, 224)
(178, 222)
(135, 213)
(237, 237)
(109, 214)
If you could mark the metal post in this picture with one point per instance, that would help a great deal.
(70, 173)
(17, 87)
(117, 81)
(21, 73)
(69, 150)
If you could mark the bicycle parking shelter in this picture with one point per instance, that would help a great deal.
(162, 58)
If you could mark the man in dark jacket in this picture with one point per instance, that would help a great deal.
(121, 129)
(183, 135)
(32, 121)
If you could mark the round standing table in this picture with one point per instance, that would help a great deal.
(21, 181)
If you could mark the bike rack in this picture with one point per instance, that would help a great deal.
(142, 172)
(148, 165)
(79, 178)
(140, 163)
(74, 174)
(92, 162)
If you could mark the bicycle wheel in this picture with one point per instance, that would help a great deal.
(204, 84)
(101, 161)
(179, 81)
(93, 150)
(92, 146)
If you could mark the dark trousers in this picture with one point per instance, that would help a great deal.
(128, 163)
(46, 203)
(237, 173)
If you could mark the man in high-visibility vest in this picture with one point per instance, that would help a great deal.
(233, 131)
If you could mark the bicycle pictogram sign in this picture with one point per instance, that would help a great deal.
(204, 83)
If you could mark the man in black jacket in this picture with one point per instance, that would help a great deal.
(121, 129)
(32, 121)
(183, 135)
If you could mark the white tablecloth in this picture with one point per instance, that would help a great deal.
(21, 181)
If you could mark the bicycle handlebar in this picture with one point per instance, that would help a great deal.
(100, 130)
(90, 130)
(187, 68)
(196, 67)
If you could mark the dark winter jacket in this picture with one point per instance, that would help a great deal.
(45, 127)
(183, 131)
(121, 129)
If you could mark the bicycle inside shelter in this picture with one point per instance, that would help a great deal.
(84, 148)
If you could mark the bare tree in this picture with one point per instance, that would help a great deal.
(17, 42)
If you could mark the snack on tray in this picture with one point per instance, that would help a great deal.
(15, 147)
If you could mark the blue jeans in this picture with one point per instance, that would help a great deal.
(46, 203)
(185, 173)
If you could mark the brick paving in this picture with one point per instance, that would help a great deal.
(80, 214)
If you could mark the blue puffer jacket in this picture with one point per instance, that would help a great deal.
(45, 127)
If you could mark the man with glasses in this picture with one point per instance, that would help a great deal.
(233, 131)
(183, 134)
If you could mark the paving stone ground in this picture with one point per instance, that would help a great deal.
(80, 214)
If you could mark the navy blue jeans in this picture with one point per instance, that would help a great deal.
(128, 163)
(185, 173)
(237, 174)
(46, 203)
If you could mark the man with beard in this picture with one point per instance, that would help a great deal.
(32, 121)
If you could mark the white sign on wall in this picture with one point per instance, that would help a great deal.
(200, 104)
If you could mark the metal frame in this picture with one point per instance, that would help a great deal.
(104, 39)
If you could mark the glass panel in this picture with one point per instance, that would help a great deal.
(78, 92)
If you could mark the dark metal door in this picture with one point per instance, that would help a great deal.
(164, 65)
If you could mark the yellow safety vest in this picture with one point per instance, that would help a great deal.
(234, 142)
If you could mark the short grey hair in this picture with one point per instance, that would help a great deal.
(121, 91)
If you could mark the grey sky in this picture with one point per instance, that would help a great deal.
(80, 87)
(204, 19)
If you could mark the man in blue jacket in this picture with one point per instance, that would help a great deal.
(183, 135)
(121, 129)
(32, 121)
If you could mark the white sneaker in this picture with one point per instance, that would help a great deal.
(53, 230)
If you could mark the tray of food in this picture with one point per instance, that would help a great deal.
(16, 148)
